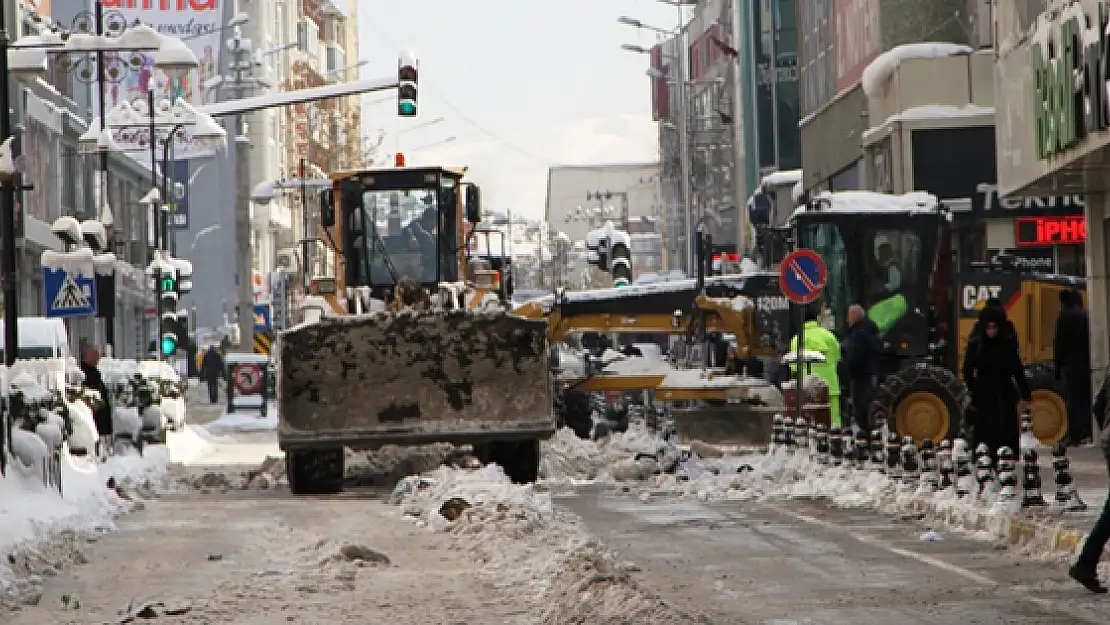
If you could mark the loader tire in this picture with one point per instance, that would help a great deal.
(315, 472)
(520, 460)
(922, 401)
(1050, 408)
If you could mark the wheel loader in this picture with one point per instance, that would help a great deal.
(410, 342)
(894, 255)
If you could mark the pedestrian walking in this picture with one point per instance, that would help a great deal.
(211, 370)
(94, 381)
(818, 339)
(1085, 569)
(995, 375)
(1072, 357)
(861, 354)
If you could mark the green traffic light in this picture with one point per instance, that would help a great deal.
(168, 285)
(406, 109)
(169, 345)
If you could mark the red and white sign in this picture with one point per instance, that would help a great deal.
(858, 39)
(1037, 231)
(247, 378)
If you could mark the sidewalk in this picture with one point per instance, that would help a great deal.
(198, 410)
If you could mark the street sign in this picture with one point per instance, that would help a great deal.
(261, 318)
(68, 295)
(247, 378)
(802, 277)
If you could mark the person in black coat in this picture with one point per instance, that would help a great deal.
(90, 358)
(995, 375)
(1072, 359)
(211, 370)
(862, 346)
(1009, 331)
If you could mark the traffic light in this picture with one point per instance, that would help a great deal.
(167, 305)
(184, 282)
(406, 85)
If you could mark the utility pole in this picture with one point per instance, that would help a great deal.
(684, 140)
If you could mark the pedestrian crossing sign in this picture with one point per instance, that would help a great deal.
(68, 294)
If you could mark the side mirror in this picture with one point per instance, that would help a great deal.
(327, 208)
(473, 204)
(351, 196)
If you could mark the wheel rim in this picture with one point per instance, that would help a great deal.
(1050, 416)
(923, 415)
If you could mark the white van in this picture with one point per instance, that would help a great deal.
(39, 337)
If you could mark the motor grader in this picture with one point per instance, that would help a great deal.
(726, 323)
(410, 342)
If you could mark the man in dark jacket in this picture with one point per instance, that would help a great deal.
(211, 370)
(90, 358)
(1072, 357)
(861, 358)
(995, 375)
(1085, 569)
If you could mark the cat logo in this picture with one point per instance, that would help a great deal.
(975, 297)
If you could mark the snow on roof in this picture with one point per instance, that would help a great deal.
(878, 72)
(914, 202)
(932, 112)
(781, 178)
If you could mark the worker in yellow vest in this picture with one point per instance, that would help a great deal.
(818, 339)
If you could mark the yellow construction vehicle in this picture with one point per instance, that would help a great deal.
(894, 255)
(396, 350)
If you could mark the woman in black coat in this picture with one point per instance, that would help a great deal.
(995, 376)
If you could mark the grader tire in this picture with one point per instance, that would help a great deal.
(315, 472)
(922, 401)
(1050, 409)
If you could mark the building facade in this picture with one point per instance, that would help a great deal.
(1051, 145)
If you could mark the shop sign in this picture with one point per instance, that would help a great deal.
(1038, 231)
(988, 201)
(1032, 259)
(1067, 110)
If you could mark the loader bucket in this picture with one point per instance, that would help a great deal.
(739, 424)
(414, 377)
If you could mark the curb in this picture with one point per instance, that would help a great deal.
(1017, 532)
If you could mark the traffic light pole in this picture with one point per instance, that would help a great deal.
(157, 224)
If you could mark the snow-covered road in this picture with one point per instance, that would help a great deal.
(806, 563)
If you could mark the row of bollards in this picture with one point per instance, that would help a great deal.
(949, 465)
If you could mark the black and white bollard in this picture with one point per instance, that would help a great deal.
(1031, 479)
(1027, 440)
(1067, 496)
(836, 447)
(930, 481)
(1007, 474)
(863, 449)
(778, 438)
(894, 456)
(788, 434)
(848, 447)
(878, 449)
(911, 463)
(821, 443)
(801, 437)
(984, 469)
(961, 456)
(811, 436)
(945, 465)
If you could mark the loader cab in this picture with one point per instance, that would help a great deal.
(403, 224)
(891, 262)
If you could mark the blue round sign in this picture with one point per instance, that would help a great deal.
(802, 276)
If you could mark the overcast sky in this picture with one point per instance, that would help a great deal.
(521, 84)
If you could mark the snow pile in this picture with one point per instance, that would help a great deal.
(44, 530)
(877, 74)
(532, 549)
(634, 454)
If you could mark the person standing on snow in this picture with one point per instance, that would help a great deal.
(94, 381)
(995, 375)
(211, 370)
(1072, 360)
(861, 355)
(1085, 569)
(820, 340)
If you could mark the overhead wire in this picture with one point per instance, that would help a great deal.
(380, 32)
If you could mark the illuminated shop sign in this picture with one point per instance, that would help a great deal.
(1036, 231)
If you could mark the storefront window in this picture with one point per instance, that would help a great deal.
(1071, 260)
